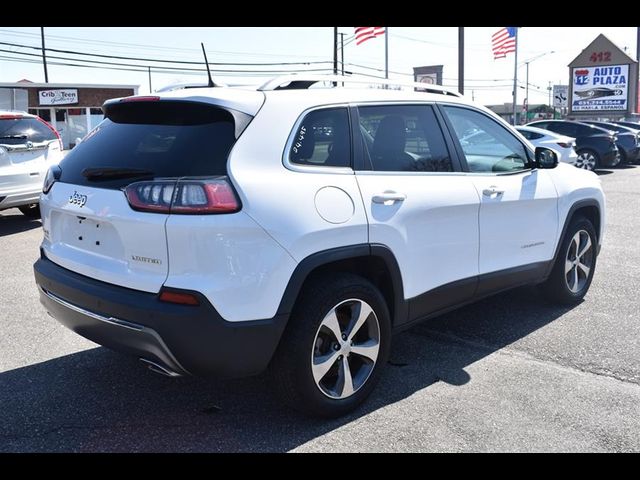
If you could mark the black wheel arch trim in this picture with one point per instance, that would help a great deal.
(589, 202)
(318, 259)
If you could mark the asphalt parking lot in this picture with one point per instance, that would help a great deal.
(510, 373)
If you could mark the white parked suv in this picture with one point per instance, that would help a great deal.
(219, 231)
(28, 147)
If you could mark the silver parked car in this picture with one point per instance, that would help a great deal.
(561, 144)
(28, 147)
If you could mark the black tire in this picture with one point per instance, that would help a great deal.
(588, 159)
(31, 211)
(291, 367)
(623, 159)
(556, 288)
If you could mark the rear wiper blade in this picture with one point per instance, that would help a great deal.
(112, 173)
(13, 136)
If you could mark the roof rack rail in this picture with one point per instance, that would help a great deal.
(299, 82)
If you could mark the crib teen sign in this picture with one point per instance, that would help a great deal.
(58, 97)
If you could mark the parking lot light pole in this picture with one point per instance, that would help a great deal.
(527, 62)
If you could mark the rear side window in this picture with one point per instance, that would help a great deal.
(322, 139)
(20, 130)
(530, 135)
(162, 139)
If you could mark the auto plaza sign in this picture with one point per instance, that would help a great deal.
(600, 88)
(58, 97)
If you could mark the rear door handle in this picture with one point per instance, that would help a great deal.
(388, 198)
(491, 191)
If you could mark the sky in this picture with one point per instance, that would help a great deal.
(487, 80)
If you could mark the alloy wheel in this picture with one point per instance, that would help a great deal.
(586, 160)
(579, 261)
(345, 349)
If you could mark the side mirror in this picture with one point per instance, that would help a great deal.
(546, 158)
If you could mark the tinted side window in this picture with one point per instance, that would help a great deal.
(323, 139)
(403, 138)
(530, 135)
(489, 147)
(564, 129)
(14, 131)
(584, 131)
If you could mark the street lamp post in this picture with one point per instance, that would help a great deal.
(527, 62)
(526, 104)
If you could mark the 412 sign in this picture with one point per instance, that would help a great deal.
(600, 57)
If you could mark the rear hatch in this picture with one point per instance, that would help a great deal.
(27, 147)
(93, 223)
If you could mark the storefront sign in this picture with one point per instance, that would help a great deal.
(600, 88)
(58, 97)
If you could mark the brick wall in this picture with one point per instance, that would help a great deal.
(87, 97)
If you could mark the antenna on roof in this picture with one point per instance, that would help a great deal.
(211, 84)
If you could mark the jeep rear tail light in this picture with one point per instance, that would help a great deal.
(183, 196)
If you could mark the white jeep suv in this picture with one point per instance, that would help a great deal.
(223, 230)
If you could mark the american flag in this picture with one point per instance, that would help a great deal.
(365, 33)
(503, 42)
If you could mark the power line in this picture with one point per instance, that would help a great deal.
(154, 69)
(182, 62)
(147, 46)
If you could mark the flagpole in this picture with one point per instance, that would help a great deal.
(386, 52)
(515, 80)
(335, 50)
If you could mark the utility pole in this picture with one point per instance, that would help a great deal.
(342, 54)
(549, 89)
(150, 90)
(342, 51)
(44, 57)
(335, 50)
(461, 60)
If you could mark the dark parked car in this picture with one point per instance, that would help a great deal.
(628, 140)
(596, 147)
(625, 123)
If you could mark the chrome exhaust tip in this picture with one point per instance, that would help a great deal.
(157, 368)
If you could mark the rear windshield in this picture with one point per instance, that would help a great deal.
(14, 131)
(161, 139)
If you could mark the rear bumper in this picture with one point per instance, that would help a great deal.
(610, 158)
(13, 199)
(633, 154)
(182, 339)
